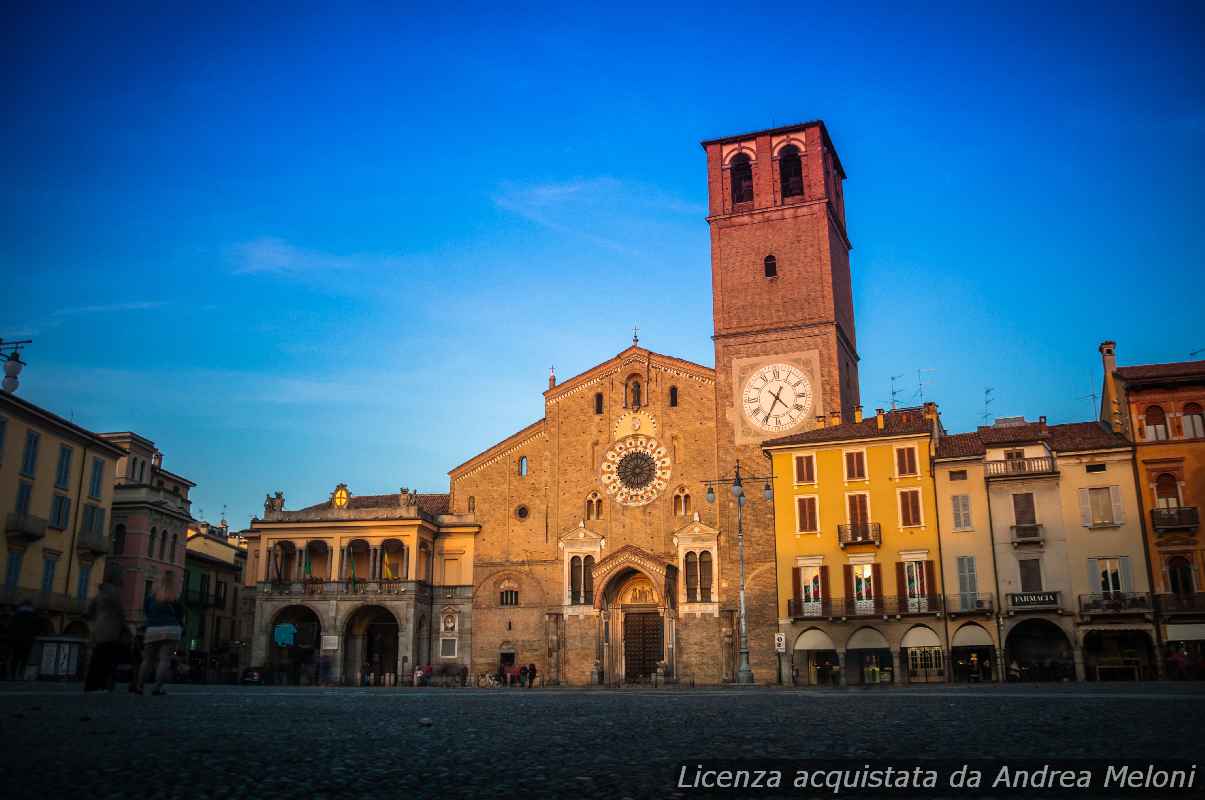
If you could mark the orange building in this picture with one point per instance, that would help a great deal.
(1159, 408)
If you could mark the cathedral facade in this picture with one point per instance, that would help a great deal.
(587, 543)
(599, 558)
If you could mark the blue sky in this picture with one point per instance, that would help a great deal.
(302, 247)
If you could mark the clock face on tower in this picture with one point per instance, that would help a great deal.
(777, 397)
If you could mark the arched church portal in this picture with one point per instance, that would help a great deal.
(634, 628)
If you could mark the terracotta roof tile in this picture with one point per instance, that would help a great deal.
(895, 423)
(960, 445)
(1179, 369)
(1084, 436)
(991, 435)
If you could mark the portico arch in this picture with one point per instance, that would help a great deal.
(370, 646)
(294, 637)
(635, 599)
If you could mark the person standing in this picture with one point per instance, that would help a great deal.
(522, 676)
(164, 628)
(531, 675)
(23, 629)
(108, 621)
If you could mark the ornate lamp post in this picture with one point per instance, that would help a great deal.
(744, 673)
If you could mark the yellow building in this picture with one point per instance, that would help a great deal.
(361, 589)
(56, 491)
(1159, 407)
(859, 559)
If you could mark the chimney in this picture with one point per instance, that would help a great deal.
(834, 418)
(879, 420)
(1042, 420)
(857, 413)
(1108, 357)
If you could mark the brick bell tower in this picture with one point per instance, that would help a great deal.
(785, 352)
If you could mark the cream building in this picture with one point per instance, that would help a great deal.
(1072, 596)
(361, 589)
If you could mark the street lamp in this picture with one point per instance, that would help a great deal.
(13, 364)
(744, 673)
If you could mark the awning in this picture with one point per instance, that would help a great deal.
(814, 640)
(972, 636)
(866, 639)
(920, 636)
(1182, 632)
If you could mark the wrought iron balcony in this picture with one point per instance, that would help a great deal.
(1034, 601)
(1166, 520)
(1187, 603)
(924, 604)
(859, 533)
(970, 603)
(1019, 467)
(360, 588)
(1027, 534)
(1115, 603)
(24, 527)
(815, 609)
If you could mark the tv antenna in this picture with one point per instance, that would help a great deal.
(1197, 352)
(1091, 396)
(894, 391)
(920, 383)
(987, 401)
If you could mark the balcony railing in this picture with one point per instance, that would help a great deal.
(24, 527)
(95, 542)
(356, 588)
(971, 603)
(815, 609)
(1115, 603)
(1013, 467)
(1029, 601)
(1027, 534)
(1165, 520)
(1188, 603)
(859, 533)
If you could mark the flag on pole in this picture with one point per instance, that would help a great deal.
(308, 568)
(386, 569)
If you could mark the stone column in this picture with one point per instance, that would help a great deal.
(841, 668)
(259, 635)
(261, 572)
(897, 676)
(374, 562)
(336, 566)
(1080, 675)
(1001, 668)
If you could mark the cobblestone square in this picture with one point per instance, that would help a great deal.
(215, 741)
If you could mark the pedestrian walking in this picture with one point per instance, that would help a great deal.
(164, 628)
(23, 629)
(108, 623)
(522, 676)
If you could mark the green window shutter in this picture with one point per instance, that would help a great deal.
(1127, 584)
(1095, 583)
(1119, 513)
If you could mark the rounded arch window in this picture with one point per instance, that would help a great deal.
(472, 504)
(1194, 421)
(522, 466)
(1156, 423)
(741, 172)
(1167, 491)
(790, 171)
(598, 402)
(673, 397)
(594, 508)
(682, 501)
(150, 547)
(770, 266)
(522, 512)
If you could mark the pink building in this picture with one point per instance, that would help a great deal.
(150, 520)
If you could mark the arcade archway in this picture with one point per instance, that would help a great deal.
(293, 655)
(370, 647)
(1038, 650)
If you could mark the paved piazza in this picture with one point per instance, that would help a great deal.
(301, 743)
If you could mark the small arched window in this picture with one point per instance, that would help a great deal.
(1156, 424)
(1194, 421)
(742, 179)
(634, 394)
(162, 545)
(594, 506)
(588, 579)
(598, 403)
(150, 545)
(1167, 491)
(705, 577)
(175, 539)
(673, 397)
(770, 266)
(522, 466)
(692, 577)
(682, 502)
(790, 171)
(119, 540)
(472, 504)
(509, 597)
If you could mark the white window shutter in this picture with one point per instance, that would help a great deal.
(1094, 583)
(1127, 584)
(1119, 513)
(1085, 509)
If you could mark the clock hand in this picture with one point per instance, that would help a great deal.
(777, 399)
